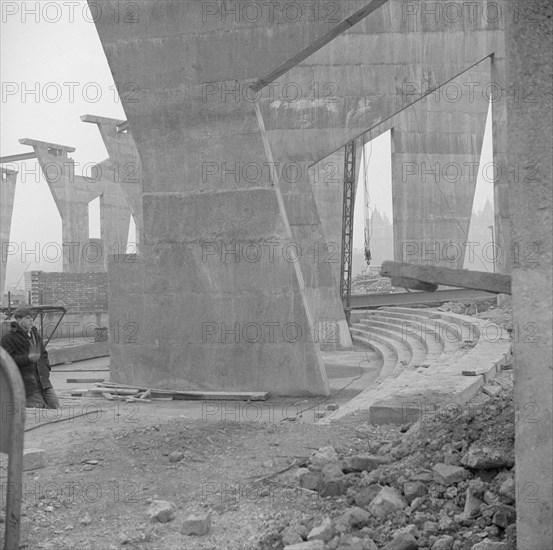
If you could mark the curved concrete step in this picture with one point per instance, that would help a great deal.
(425, 345)
(452, 342)
(466, 327)
(402, 350)
(447, 332)
(386, 351)
(416, 351)
(459, 333)
(405, 351)
(452, 380)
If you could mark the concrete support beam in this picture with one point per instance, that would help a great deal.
(125, 162)
(357, 92)
(529, 44)
(435, 160)
(403, 56)
(327, 183)
(17, 158)
(72, 193)
(8, 179)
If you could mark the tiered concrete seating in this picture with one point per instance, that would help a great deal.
(431, 359)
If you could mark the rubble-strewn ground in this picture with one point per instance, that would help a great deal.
(446, 482)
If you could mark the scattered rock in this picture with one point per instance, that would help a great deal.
(333, 481)
(351, 542)
(416, 504)
(354, 517)
(33, 459)
(511, 536)
(445, 542)
(322, 457)
(387, 502)
(85, 520)
(472, 504)
(488, 544)
(504, 515)
(176, 456)
(323, 532)
(446, 474)
(507, 489)
(367, 495)
(445, 523)
(311, 480)
(485, 458)
(427, 477)
(293, 534)
(491, 390)
(402, 541)
(367, 462)
(490, 498)
(307, 545)
(413, 489)
(162, 511)
(429, 527)
(196, 524)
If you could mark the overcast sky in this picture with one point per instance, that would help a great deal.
(53, 70)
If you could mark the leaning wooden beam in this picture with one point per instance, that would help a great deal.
(431, 276)
(192, 395)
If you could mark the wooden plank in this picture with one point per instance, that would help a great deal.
(99, 391)
(194, 395)
(478, 280)
(413, 284)
(84, 380)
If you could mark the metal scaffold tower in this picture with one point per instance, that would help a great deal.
(347, 226)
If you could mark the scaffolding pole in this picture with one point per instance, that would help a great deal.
(347, 227)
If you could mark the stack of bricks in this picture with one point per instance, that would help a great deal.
(75, 291)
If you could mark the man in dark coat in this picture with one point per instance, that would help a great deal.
(25, 346)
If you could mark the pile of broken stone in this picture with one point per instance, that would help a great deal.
(444, 484)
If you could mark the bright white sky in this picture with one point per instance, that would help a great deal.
(40, 52)
(47, 54)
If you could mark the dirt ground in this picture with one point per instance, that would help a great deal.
(103, 470)
(105, 467)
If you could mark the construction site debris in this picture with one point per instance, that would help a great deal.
(192, 395)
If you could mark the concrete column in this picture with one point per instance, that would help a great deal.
(530, 127)
(327, 183)
(437, 144)
(316, 259)
(124, 163)
(501, 164)
(199, 292)
(72, 194)
(8, 179)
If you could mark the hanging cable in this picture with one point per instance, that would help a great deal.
(367, 208)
